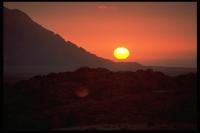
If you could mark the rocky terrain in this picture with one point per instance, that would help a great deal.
(97, 98)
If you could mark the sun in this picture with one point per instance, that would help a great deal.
(121, 53)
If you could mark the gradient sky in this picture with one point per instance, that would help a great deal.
(156, 33)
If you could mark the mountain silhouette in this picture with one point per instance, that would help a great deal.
(30, 49)
(72, 88)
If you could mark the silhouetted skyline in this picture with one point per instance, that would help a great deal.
(60, 73)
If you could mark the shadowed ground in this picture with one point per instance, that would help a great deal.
(121, 100)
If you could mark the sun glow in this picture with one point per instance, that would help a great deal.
(121, 53)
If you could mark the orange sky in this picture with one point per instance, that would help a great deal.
(156, 33)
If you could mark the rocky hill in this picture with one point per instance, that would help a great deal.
(97, 98)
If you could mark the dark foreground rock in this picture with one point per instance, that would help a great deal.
(87, 97)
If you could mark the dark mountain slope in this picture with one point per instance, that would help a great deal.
(29, 49)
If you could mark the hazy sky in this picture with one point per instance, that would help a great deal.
(156, 33)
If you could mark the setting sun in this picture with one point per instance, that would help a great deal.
(99, 65)
(121, 53)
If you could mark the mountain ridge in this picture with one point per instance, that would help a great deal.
(29, 37)
(31, 48)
